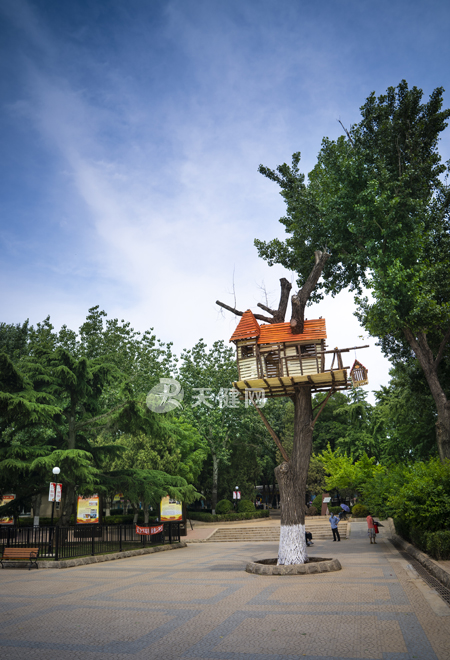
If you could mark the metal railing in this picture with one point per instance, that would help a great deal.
(57, 543)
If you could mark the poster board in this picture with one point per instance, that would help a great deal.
(88, 509)
(6, 520)
(171, 510)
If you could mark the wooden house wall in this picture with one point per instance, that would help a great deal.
(279, 360)
(248, 368)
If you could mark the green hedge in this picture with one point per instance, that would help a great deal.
(209, 517)
(360, 511)
(436, 544)
(245, 506)
(224, 506)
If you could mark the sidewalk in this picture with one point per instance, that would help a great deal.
(199, 603)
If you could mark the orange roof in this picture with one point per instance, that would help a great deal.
(247, 327)
(280, 332)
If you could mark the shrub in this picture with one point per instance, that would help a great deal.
(438, 544)
(419, 538)
(402, 528)
(317, 503)
(360, 511)
(311, 511)
(245, 506)
(224, 506)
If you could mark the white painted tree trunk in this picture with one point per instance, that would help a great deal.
(292, 547)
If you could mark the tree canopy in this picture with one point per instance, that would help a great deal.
(378, 201)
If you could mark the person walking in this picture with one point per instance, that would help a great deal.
(370, 528)
(334, 521)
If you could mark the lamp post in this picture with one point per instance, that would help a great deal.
(236, 495)
(52, 496)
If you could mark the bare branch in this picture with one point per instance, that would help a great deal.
(230, 309)
(347, 133)
(266, 309)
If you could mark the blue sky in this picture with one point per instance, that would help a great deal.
(132, 132)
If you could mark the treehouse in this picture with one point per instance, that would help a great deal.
(272, 358)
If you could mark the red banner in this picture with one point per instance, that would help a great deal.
(148, 531)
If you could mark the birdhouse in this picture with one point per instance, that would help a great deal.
(359, 374)
(272, 358)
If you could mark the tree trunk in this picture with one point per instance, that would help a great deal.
(36, 503)
(215, 481)
(145, 506)
(424, 355)
(291, 479)
(67, 505)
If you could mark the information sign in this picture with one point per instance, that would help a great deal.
(88, 509)
(171, 509)
(7, 520)
(51, 491)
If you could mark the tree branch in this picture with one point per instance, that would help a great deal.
(266, 309)
(95, 419)
(299, 301)
(347, 133)
(260, 317)
(441, 350)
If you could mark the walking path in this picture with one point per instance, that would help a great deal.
(199, 603)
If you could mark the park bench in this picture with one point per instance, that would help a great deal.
(20, 553)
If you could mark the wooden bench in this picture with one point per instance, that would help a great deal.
(21, 553)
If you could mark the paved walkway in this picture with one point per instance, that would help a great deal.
(198, 603)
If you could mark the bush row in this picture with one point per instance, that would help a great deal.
(209, 517)
(436, 544)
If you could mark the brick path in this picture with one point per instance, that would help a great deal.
(198, 603)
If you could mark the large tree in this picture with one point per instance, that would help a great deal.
(378, 200)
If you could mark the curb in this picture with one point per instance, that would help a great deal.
(82, 561)
(315, 565)
(435, 570)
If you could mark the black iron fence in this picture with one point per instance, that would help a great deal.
(57, 543)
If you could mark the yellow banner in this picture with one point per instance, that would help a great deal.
(171, 509)
(7, 520)
(88, 509)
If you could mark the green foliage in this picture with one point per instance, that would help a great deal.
(360, 511)
(245, 506)
(438, 544)
(379, 201)
(78, 401)
(224, 506)
(346, 473)
(317, 503)
(209, 517)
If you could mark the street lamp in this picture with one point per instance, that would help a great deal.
(56, 471)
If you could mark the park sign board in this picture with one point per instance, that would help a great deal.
(88, 509)
(7, 520)
(171, 510)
